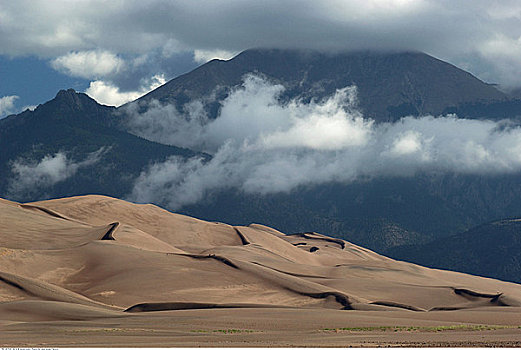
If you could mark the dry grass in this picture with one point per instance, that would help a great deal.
(223, 331)
(459, 327)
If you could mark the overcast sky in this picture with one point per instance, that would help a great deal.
(118, 50)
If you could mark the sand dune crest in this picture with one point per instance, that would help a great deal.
(112, 255)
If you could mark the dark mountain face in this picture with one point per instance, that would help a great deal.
(68, 107)
(390, 85)
(98, 156)
(490, 250)
(379, 213)
(75, 126)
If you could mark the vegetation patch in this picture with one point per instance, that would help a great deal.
(223, 331)
(459, 327)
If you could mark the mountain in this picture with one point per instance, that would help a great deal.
(76, 126)
(108, 272)
(390, 84)
(91, 152)
(380, 213)
(491, 250)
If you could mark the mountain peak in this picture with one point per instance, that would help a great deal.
(390, 84)
(69, 95)
(73, 101)
(64, 92)
(72, 105)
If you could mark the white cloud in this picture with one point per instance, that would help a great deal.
(260, 145)
(154, 82)
(29, 176)
(107, 93)
(203, 56)
(89, 64)
(7, 105)
(28, 107)
(322, 125)
(408, 143)
(253, 113)
(181, 129)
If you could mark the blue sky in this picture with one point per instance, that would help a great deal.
(116, 51)
(33, 80)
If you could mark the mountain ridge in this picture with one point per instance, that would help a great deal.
(390, 85)
(77, 125)
(378, 213)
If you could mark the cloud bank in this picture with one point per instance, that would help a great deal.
(260, 145)
(31, 176)
(481, 35)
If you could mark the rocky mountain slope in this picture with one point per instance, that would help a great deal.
(91, 152)
(390, 85)
(75, 126)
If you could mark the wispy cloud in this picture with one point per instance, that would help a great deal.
(30, 176)
(261, 145)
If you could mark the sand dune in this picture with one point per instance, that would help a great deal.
(94, 257)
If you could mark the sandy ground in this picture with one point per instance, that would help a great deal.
(271, 327)
(97, 271)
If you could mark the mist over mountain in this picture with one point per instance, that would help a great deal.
(362, 145)
(390, 84)
(68, 146)
(269, 173)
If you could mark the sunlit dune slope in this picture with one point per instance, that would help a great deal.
(95, 256)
